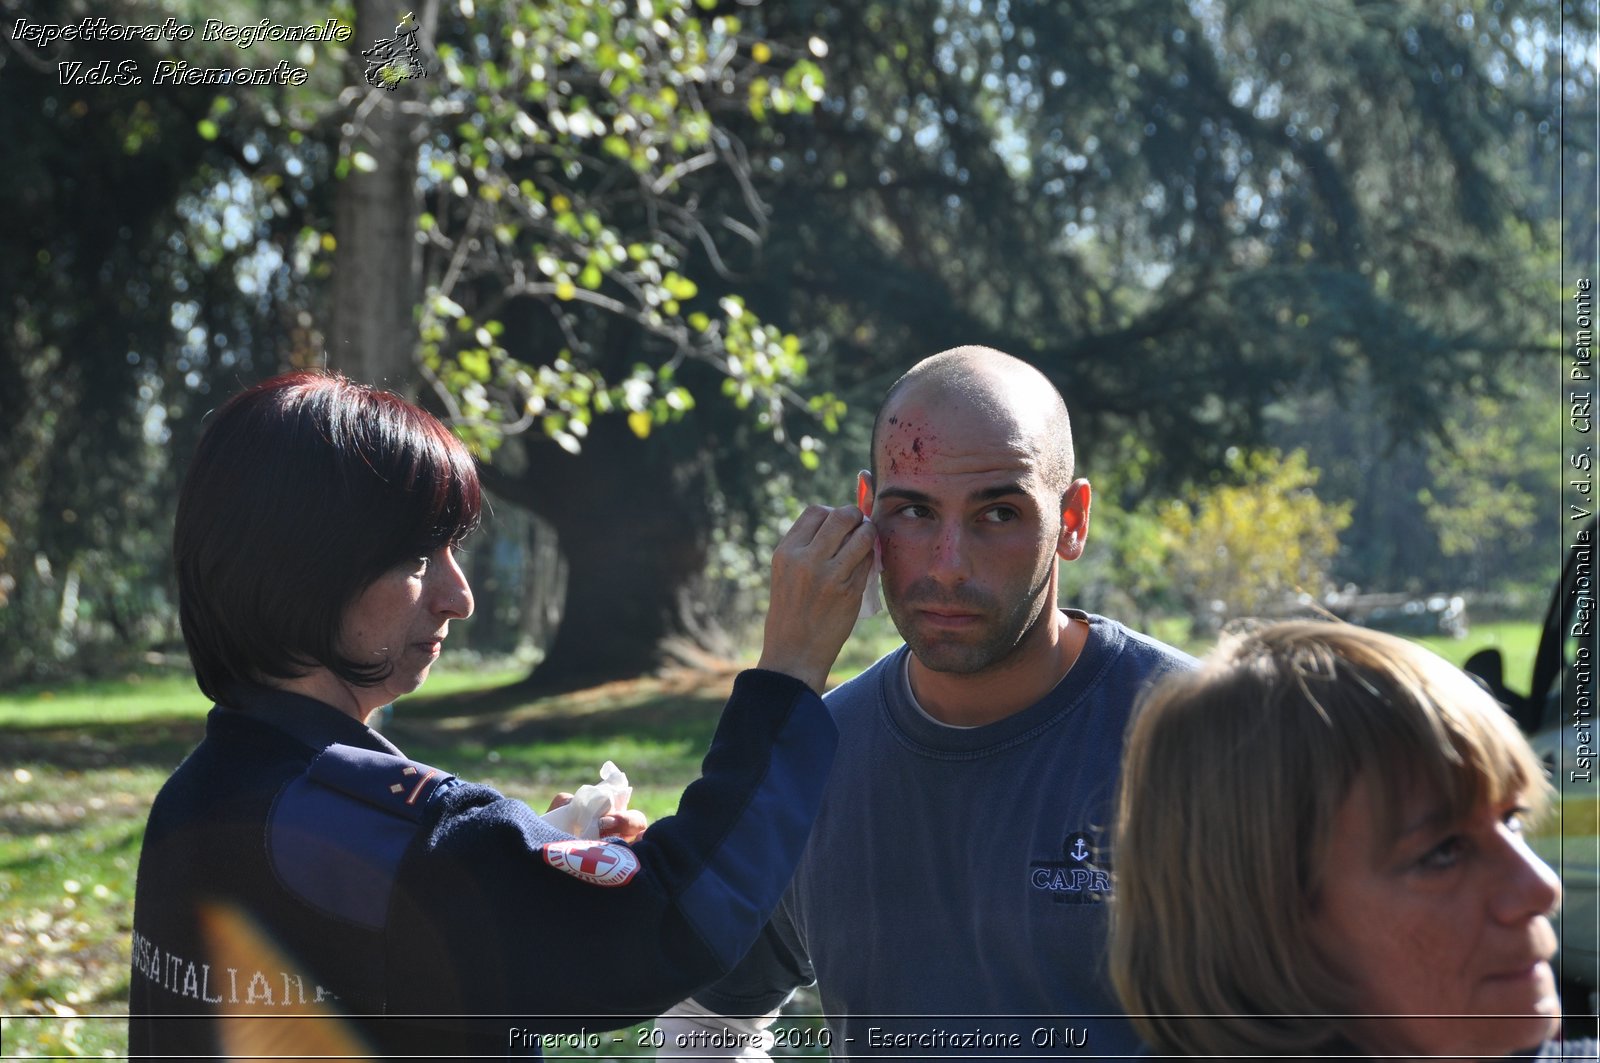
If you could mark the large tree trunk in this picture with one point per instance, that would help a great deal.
(372, 335)
(629, 515)
(635, 532)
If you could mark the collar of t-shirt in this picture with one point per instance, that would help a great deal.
(911, 698)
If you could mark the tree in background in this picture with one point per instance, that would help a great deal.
(1489, 492)
(565, 221)
(1214, 225)
(1474, 508)
(1193, 216)
(1183, 213)
(138, 281)
(1257, 536)
(561, 148)
(371, 322)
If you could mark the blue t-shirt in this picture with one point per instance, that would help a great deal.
(952, 897)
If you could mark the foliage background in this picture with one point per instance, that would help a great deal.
(663, 257)
(658, 260)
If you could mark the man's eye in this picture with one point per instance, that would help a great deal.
(914, 511)
(999, 515)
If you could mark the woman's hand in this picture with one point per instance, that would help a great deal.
(626, 825)
(819, 572)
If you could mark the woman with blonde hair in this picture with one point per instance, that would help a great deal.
(1320, 852)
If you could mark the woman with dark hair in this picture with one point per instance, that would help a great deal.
(297, 863)
(1320, 852)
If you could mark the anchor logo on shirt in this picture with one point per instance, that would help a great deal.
(1078, 878)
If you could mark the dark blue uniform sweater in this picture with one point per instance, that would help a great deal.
(437, 917)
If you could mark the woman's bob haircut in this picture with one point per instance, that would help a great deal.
(303, 490)
(1231, 779)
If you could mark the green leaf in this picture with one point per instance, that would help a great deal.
(680, 287)
(476, 362)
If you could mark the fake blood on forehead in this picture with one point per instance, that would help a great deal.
(910, 441)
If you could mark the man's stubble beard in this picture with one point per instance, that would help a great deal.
(942, 654)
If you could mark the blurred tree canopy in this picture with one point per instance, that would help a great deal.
(1331, 226)
(651, 241)
(1184, 212)
(138, 278)
(1477, 503)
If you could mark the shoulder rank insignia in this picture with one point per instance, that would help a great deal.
(339, 832)
(598, 862)
(399, 786)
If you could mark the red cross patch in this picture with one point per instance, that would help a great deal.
(602, 863)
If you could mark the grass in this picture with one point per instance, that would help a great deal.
(133, 699)
(83, 761)
(1518, 643)
(138, 697)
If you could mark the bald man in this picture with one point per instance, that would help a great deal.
(952, 899)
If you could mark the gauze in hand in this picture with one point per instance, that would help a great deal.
(580, 817)
(872, 600)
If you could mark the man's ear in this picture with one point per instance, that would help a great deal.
(1074, 520)
(865, 492)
